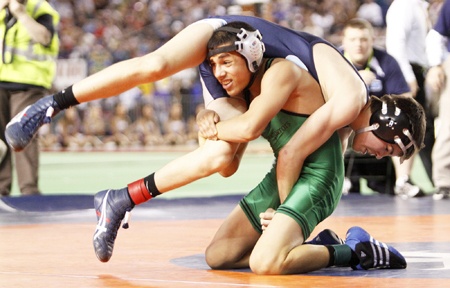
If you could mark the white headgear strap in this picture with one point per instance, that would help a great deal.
(388, 124)
(249, 45)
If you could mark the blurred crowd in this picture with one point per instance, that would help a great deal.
(101, 32)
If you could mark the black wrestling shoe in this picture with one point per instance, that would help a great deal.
(111, 207)
(25, 125)
(326, 237)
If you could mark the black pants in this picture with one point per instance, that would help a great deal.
(425, 153)
(379, 173)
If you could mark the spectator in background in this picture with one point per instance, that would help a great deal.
(438, 81)
(323, 18)
(192, 126)
(94, 126)
(29, 47)
(382, 75)
(119, 127)
(68, 130)
(309, 25)
(175, 128)
(145, 130)
(47, 139)
(371, 11)
(406, 31)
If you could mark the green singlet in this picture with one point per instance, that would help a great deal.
(318, 190)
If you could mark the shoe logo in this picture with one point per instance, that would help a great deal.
(363, 255)
(16, 119)
(102, 221)
(99, 214)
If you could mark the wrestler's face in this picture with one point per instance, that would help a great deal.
(357, 44)
(230, 69)
(368, 143)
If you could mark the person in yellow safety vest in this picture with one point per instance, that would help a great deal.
(29, 48)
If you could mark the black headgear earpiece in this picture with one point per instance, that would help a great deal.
(391, 125)
(249, 45)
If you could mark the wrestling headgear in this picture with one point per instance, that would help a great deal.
(391, 125)
(249, 45)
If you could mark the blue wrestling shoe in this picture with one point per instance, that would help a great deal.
(22, 128)
(326, 237)
(111, 207)
(371, 252)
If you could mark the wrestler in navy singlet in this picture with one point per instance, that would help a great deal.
(280, 42)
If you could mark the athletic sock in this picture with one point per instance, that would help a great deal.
(342, 255)
(151, 185)
(65, 98)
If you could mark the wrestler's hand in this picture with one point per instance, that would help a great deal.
(266, 218)
(206, 122)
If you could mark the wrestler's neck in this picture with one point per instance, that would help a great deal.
(255, 81)
(363, 118)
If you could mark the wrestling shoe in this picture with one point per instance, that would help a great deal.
(406, 189)
(111, 207)
(326, 237)
(371, 252)
(442, 193)
(24, 126)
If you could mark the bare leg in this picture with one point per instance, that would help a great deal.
(211, 157)
(187, 49)
(233, 242)
(277, 251)
(280, 250)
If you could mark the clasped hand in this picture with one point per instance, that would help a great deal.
(206, 121)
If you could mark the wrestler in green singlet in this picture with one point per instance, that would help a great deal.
(317, 191)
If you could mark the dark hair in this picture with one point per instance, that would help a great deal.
(222, 37)
(413, 110)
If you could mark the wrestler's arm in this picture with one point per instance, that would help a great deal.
(280, 80)
(222, 109)
(345, 97)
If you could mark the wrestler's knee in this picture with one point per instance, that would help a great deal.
(217, 160)
(155, 65)
(217, 258)
(265, 264)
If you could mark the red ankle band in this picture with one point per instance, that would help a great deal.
(138, 192)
